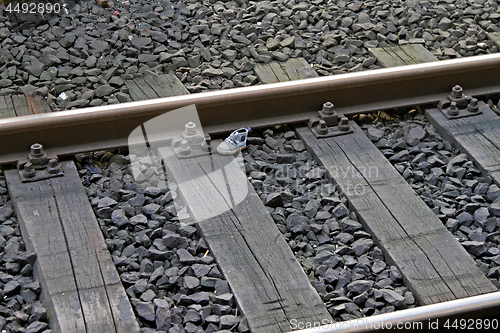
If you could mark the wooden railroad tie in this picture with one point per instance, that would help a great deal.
(81, 288)
(495, 37)
(268, 282)
(155, 86)
(477, 136)
(22, 105)
(409, 54)
(435, 267)
(292, 69)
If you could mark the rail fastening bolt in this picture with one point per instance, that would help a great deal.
(190, 128)
(473, 107)
(28, 170)
(344, 124)
(53, 166)
(184, 148)
(322, 128)
(207, 142)
(328, 108)
(36, 149)
(457, 92)
(453, 110)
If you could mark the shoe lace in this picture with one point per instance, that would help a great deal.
(230, 140)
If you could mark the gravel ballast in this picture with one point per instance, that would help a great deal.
(84, 58)
(162, 261)
(339, 257)
(448, 182)
(20, 307)
(172, 280)
(171, 277)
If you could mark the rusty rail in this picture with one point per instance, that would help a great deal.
(109, 126)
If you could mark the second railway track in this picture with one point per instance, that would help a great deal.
(271, 289)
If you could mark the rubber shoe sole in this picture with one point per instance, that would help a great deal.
(229, 152)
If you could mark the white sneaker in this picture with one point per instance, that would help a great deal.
(235, 142)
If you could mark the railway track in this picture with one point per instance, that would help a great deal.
(437, 270)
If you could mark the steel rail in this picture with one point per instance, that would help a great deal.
(434, 314)
(103, 127)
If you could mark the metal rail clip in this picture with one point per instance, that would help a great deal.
(328, 124)
(38, 166)
(458, 105)
(192, 143)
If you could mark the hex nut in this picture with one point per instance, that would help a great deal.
(28, 170)
(36, 149)
(184, 148)
(53, 167)
(36, 155)
(322, 128)
(344, 124)
(453, 110)
(190, 128)
(473, 105)
(457, 92)
(328, 108)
